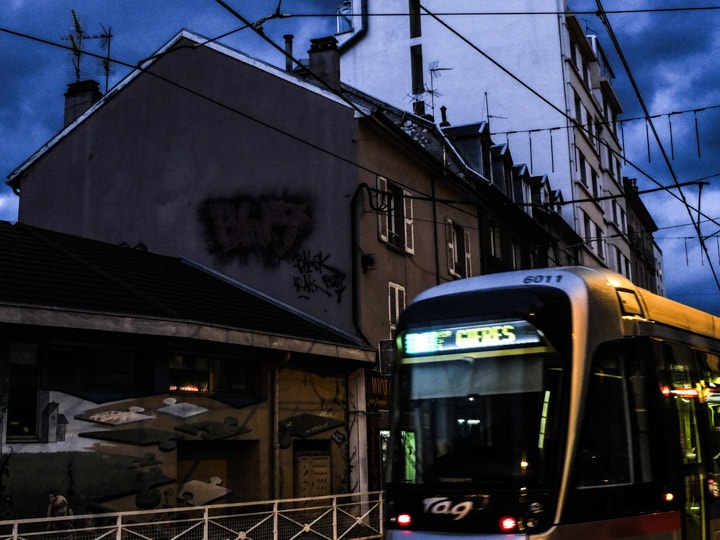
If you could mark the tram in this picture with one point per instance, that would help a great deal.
(562, 403)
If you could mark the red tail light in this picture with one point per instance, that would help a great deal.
(507, 523)
(404, 520)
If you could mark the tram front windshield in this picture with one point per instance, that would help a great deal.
(477, 405)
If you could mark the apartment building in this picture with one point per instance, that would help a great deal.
(531, 69)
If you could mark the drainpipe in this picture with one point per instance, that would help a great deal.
(354, 246)
(275, 427)
(435, 229)
(360, 32)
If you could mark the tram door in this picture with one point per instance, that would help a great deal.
(710, 385)
(684, 388)
(692, 469)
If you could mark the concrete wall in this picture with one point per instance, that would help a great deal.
(213, 159)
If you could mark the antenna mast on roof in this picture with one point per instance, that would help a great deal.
(76, 37)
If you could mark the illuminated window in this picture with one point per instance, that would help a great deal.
(202, 374)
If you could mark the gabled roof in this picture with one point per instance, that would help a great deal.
(179, 40)
(57, 280)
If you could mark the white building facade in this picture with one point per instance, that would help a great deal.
(529, 69)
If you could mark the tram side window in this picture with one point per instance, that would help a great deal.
(710, 365)
(603, 457)
(683, 380)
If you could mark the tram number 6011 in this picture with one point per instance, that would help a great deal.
(543, 278)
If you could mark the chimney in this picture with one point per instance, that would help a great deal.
(79, 97)
(288, 52)
(325, 61)
(443, 115)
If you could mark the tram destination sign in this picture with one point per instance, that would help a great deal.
(472, 337)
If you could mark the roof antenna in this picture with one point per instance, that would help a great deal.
(76, 37)
(106, 36)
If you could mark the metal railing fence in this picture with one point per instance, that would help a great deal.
(354, 516)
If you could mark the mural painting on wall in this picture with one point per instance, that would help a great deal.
(270, 227)
(118, 456)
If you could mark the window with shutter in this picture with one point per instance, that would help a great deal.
(409, 234)
(468, 257)
(451, 246)
(458, 250)
(382, 204)
(395, 216)
(396, 303)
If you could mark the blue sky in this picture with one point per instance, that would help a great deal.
(669, 53)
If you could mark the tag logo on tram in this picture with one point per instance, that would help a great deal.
(445, 506)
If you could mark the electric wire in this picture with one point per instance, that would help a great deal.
(613, 38)
(247, 24)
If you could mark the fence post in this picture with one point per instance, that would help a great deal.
(15, 530)
(118, 533)
(206, 524)
(335, 532)
(381, 501)
(275, 521)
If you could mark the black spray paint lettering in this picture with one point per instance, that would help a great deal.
(315, 275)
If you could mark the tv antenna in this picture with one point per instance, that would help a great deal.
(77, 36)
(435, 73)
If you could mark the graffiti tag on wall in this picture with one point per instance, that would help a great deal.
(314, 275)
(268, 226)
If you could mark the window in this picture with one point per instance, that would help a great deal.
(595, 185)
(582, 166)
(603, 457)
(614, 210)
(344, 17)
(80, 368)
(395, 216)
(495, 247)
(396, 304)
(587, 229)
(618, 260)
(202, 374)
(578, 110)
(516, 254)
(415, 21)
(599, 239)
(458, 250)
(23, 401)
(416, 66)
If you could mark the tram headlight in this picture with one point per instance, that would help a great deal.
(507, 524)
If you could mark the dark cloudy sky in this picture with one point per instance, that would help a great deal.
(669, 45)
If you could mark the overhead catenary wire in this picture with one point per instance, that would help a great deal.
(613, 38)
(562, 112)
(214, 39)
